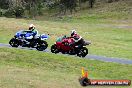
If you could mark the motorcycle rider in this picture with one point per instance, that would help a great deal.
(33, 31)
(78, 40)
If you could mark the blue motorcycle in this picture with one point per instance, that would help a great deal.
(26, 39)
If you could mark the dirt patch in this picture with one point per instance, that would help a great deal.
(125, 26)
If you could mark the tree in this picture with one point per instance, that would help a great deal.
(66, 5)
(4, 4)
(91, 3)
(110, 1)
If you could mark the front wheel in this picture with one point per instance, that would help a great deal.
(82, 52)
(14, 42)
(54, 49)
(42, 45)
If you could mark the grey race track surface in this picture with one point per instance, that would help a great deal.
(93, 57)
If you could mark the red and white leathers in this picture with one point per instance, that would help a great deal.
(76, 37)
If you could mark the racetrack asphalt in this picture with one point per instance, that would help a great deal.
(93, 57)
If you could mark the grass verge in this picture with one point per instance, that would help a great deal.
(33, 69)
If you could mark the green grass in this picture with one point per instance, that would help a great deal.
(111, 38)
(33, 69)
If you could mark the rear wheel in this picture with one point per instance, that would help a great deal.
(82, 52)
(14, 42)
(54, 49)
(42, 45)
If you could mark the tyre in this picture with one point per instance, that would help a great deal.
(42, 45)
(82, 52)
(54, 49)
(14, 42)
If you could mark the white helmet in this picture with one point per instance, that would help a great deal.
(73, 31)
(31, 26)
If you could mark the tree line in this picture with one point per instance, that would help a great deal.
(19, 8)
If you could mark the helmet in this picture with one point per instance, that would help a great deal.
(31, 26)
(73, 32)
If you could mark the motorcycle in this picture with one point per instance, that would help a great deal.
(66, 46)
(25, 39)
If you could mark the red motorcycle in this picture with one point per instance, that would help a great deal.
(67, 46)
